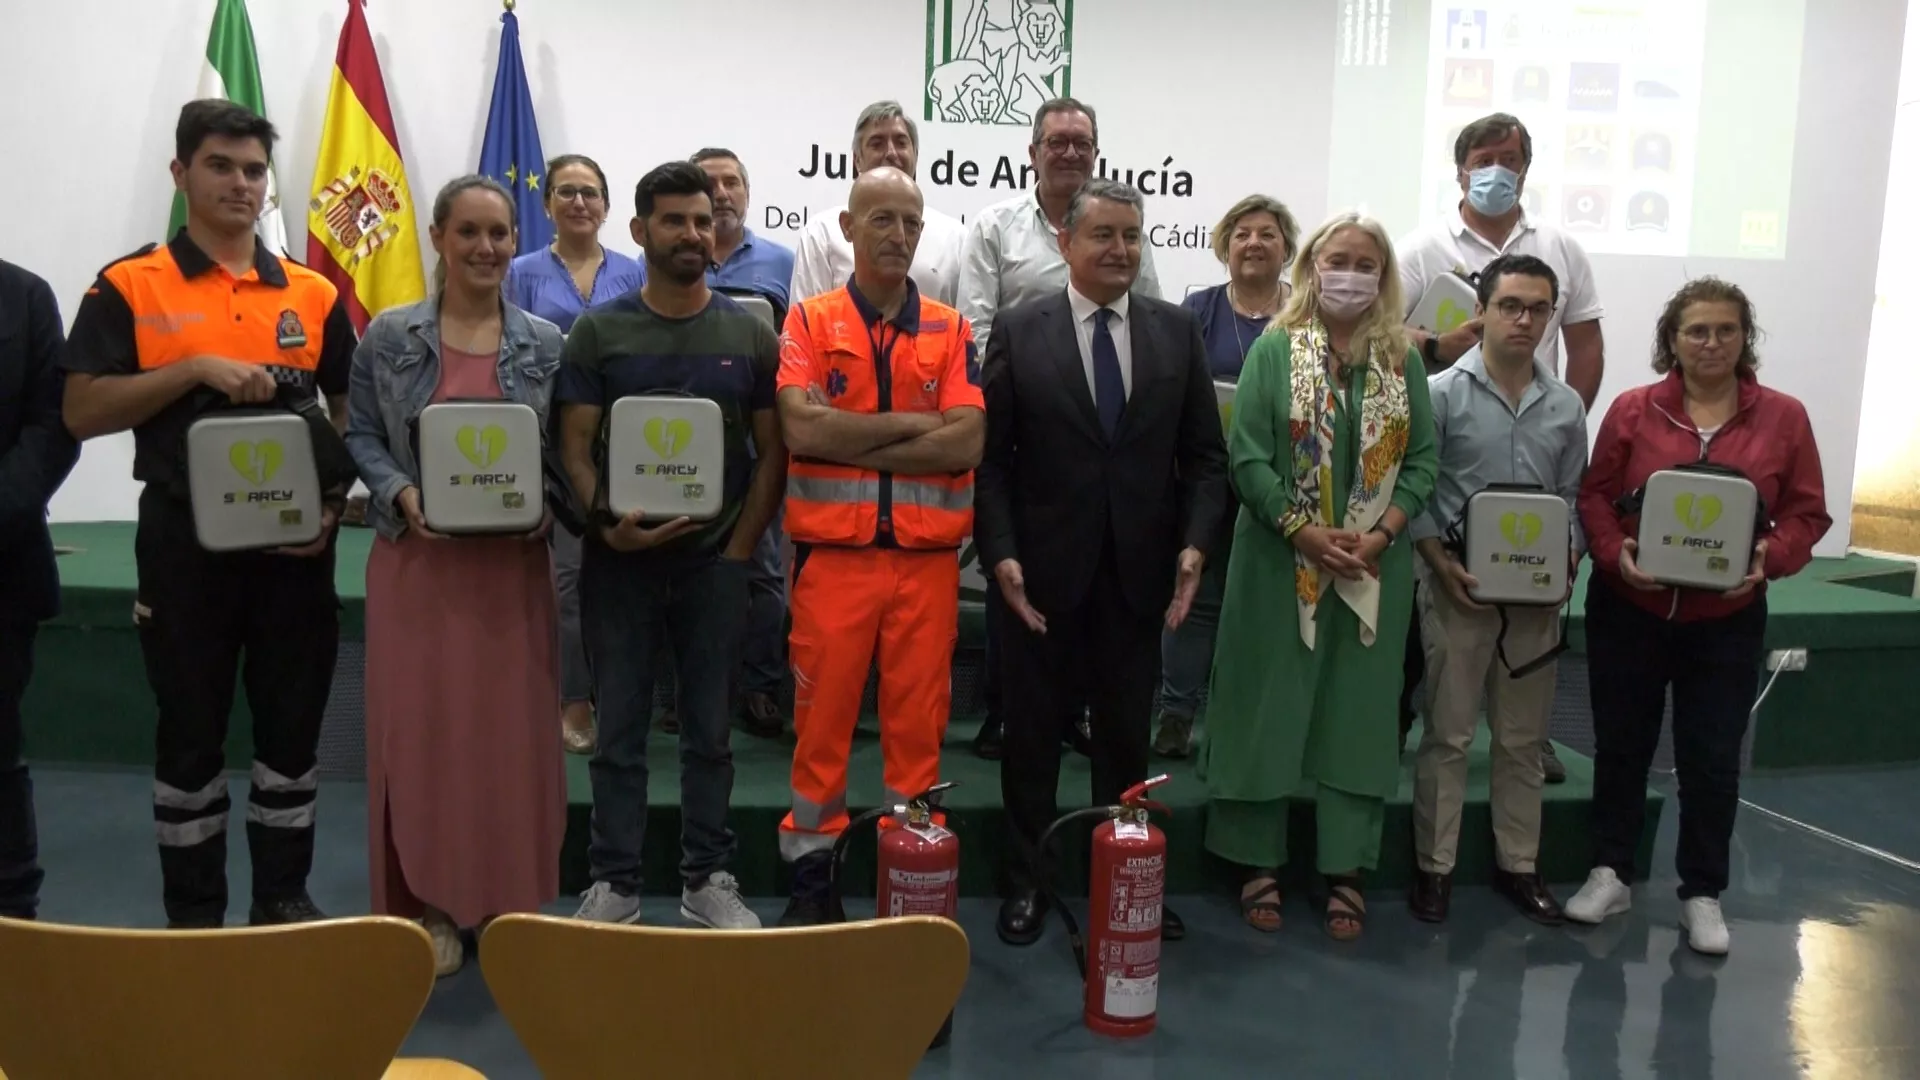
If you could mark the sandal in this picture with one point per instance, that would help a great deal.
(1261, 913)
(1346, 908)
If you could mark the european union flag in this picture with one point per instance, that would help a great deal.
(511, 152)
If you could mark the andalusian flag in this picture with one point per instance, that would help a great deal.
(232, 73)
(361, 231)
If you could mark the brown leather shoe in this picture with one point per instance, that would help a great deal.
(1530, 894)
(1432, 896)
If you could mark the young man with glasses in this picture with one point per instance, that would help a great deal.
(1499, 417)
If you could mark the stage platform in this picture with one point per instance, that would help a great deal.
(760, 800)
(89, 703)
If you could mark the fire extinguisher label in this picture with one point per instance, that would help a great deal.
(1131, 999)
(1130, 960)
(1135, 894)
(911, 892)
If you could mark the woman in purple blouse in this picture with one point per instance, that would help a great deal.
(557, 283)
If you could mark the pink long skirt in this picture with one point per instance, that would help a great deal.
(466, 787)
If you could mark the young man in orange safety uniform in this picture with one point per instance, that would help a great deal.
(879, 397)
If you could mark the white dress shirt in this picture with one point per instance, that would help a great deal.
(823, 260)
(1013, 256)
(1084, 323)
(1429, 252)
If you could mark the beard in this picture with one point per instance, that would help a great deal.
(666, 264)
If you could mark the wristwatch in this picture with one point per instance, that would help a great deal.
(1384, 531)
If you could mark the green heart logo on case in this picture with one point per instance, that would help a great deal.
(255, 462)
(1226, 417)
(1696, 514)
(1521, 530)
(668, 437)
(1451, 316)
(482, 446)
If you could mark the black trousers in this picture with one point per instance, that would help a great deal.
(1713, 666)
(1103, 650)
(205, 618)
(1413, 668)
(20, 873)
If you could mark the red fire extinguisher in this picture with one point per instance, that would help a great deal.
(1120, 957)
(918, 866)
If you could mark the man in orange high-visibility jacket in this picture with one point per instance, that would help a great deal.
(879, 395)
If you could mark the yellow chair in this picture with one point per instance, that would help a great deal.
(829, 1002)
(328, 1000)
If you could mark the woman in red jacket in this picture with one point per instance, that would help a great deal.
(1643, 637)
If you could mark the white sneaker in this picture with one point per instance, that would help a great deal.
(604, 904)
(717, 904)
(1604, 894)
(1706, 928)
(448, 952)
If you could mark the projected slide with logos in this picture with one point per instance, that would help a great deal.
(1660, 127)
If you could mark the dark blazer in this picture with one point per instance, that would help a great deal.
(1051, 486)
(36, 453)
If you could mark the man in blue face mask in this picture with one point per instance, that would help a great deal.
(1492, 156)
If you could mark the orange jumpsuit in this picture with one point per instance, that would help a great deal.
(876, 555)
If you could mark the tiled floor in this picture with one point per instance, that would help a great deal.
(1824, 979)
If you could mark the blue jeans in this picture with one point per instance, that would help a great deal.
(763, 666)
(20, 873)
(629, 607)
(575, 684)
(1186, 654)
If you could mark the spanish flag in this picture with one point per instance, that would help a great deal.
(361, 229)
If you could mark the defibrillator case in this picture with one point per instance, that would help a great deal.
(1447, 304)
(480, 467)
(667, 457)
(756, 305)
(1697, 525)
(252, 481)
(1223, 390)
(1516, 543)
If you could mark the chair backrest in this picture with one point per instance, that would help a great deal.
(855, 999)
(328, 1000)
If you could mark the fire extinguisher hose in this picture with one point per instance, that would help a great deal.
(1042, 871)
(838, 861)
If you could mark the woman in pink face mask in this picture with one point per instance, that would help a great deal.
(1332, 455)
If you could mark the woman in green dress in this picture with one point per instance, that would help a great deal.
(1331, 453)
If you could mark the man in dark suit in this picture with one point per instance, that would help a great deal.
(35, 455)
(1102, 488)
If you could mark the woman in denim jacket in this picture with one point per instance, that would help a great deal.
(466, 790)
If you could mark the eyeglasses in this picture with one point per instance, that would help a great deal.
(570, 192)
(1511, 310)
(1061, 144)
(1700, 335)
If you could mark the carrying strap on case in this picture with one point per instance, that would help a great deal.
(1455, 541)
(1632, 502)
(332, 463)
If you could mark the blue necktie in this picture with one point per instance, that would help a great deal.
(1109, 390)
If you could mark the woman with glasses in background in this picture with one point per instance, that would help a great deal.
(557, 283)
(1643, 637)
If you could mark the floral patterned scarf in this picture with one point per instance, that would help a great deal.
(1383, 444)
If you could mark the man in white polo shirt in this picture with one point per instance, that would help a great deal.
(1013, 257)
(1492, 156)
(823, 261)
